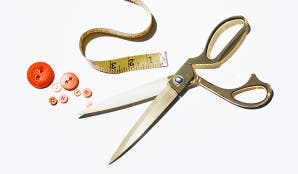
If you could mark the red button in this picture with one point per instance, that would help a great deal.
(69, 81)
(40, 75)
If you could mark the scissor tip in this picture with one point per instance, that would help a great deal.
(82, 116)
(113, 159)
(86, 115)
(111, 162)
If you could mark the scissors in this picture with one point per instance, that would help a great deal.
(175, 86)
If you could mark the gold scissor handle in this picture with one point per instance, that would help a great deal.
(229, 94)
(204, 60)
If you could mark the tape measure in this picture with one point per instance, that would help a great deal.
(130, 63)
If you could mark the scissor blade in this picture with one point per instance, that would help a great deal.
(126, 99)
(161, 104)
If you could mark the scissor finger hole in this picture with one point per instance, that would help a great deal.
(250, 95)
(221, 38)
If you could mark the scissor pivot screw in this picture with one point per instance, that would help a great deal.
(178, 80)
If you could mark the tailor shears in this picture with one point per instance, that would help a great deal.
(175, 86)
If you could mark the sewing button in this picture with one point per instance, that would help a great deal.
(56, 87)
(69, 81)
(63, 98)
(77, 92)
(53, 101)
(40, 75)
(87, 92)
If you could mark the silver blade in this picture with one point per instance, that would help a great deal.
(138, 95)
(150, 117)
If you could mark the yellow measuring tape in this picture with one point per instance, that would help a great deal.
(125, 64)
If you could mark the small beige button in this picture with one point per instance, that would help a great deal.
(56, 87)
(63, 98)
(77, 92)
(87, 92)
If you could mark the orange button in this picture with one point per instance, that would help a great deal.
(40, 75)
(53, 101)
(87, 92)
(63, 98)
(69, 81)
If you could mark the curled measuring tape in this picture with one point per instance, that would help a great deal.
(125, 64)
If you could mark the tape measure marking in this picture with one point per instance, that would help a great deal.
(125, 64)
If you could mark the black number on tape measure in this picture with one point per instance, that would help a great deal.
(113, 65)
(150, 59)
(130, 62)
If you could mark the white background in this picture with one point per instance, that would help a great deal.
(200, 134)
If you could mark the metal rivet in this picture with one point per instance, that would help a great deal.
(178, 80)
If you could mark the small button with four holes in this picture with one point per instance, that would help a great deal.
(63, 98)
(77, 92)
(53, 101)
(87, 92)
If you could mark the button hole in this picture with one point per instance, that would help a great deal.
(37, 77)
(40, 70)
